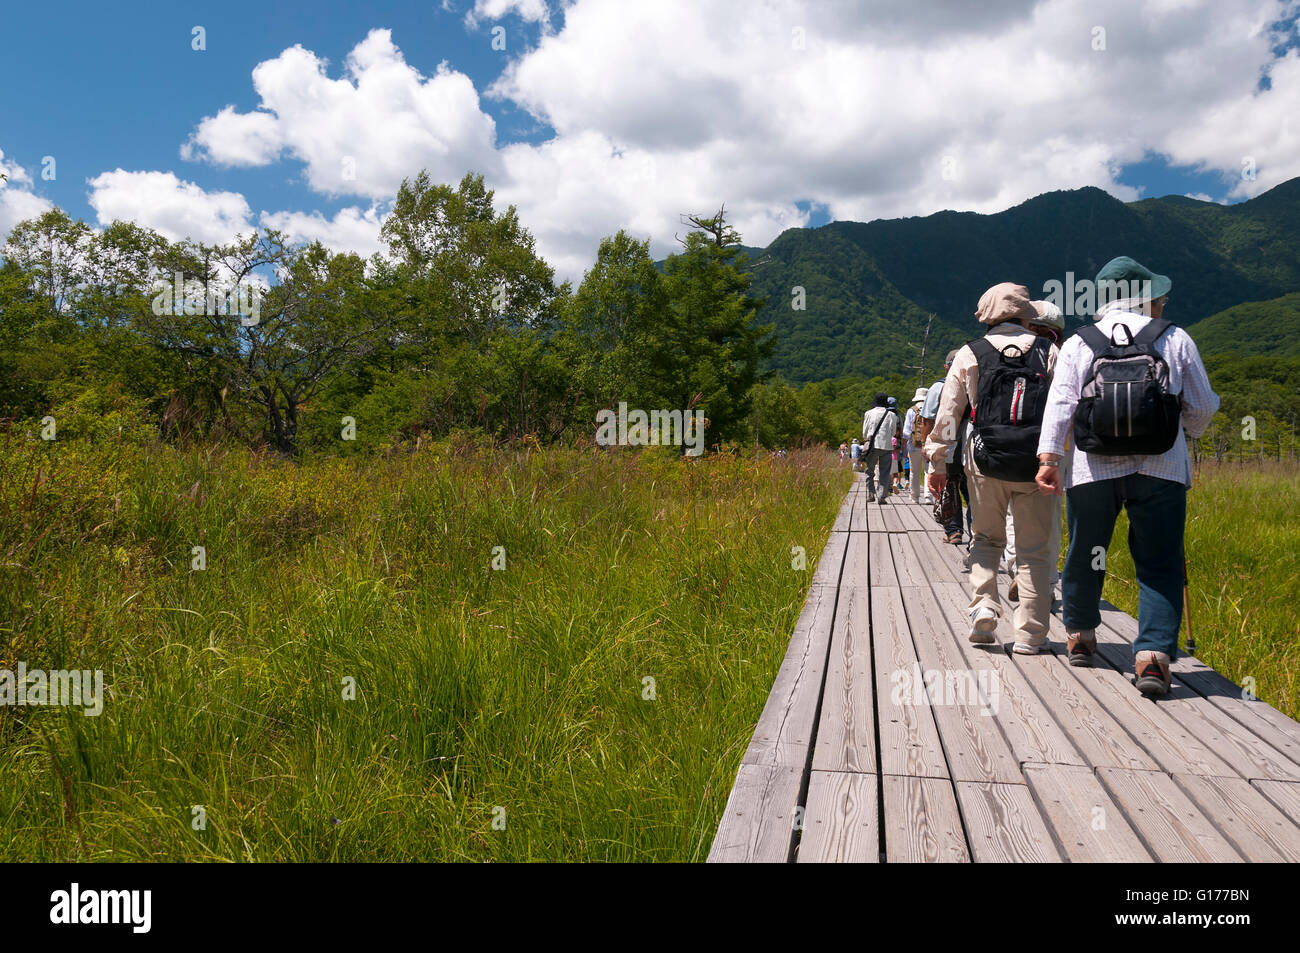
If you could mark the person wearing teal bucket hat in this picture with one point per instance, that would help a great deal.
(1130, 390)
(1124, 284)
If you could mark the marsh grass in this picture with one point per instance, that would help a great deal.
(517, 695)
(1243, 559)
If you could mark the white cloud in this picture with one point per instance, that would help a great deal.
(530, 11)
(360, 134)
(867, 110)
(172, 207)
(350, 230)
(17, 200)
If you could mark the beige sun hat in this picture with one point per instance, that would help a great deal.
(1049, 315)
(1007, 301)
(920, 394)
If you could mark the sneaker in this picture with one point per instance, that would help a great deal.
(954, 538)
(1152, 670)
(1013, 591)
(1082, 646)
(983, 623)
(1028, 648)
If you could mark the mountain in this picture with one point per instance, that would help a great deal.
(870, 287)
(1268, 328)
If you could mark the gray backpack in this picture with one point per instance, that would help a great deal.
(1125, 407)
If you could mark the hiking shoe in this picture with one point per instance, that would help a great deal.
(1013, 591)
(1152, 670)
(983, 623)
(1028, 648)
(1082, 646)
(954, 538)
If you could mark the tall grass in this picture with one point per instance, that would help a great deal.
(498, 714)
(1243, 563)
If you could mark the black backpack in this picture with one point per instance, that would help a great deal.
(1008, 414)
(1125, 407)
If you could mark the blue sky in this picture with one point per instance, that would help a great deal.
(603, 115)
(126, 91)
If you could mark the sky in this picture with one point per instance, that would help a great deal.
(208, 120)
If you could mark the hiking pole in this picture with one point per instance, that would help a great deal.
(1187, 609)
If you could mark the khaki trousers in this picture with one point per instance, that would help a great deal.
(1033, 513)
(916, 460)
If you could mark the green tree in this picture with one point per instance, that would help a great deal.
(712, 347)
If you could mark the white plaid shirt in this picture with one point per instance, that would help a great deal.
(1186, 377)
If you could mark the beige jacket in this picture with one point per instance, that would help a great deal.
(959, 390)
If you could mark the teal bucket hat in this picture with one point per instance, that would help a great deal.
(1126, 278)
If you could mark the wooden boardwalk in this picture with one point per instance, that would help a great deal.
(888, 737)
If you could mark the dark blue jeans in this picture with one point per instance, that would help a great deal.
(1157, 511)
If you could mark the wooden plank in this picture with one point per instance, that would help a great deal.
(1087, 824)
(831, 561)
(913, 520)
(841, 822)
(1253, 824)
(972, 741)
(856, 562)
(909, 739)
(858, 523)
(875, 518)
(938, 567)
(846, 733)
(844, 517)
(907, 563)
(922, 823)
(757, 824)
(882, 561)
(1098, 736)
(1247, 753)
(1272, 726)
(1003, 824)
(784, 729)
(1171, 826)
(1172, 746)
(1284, 794)
(892, 520)
(1242, 749)
(1026, 721)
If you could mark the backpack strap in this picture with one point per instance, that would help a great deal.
(1151, 333)
(1095, 338)
(1041, 349)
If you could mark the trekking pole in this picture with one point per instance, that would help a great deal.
(1187, 609)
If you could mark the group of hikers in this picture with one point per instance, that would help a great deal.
(1022, 419)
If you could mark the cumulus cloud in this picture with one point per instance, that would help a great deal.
(530, 11)
(867, 110)
(360, 134)
(174, 208)
(17, 200)
(350, 230)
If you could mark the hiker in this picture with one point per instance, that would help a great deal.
(855, 453)
(1003, 379)
(913, 442)
(1049, 323)
(878, 427)
(1127, 388)
(956, 472)
(892, 404)
(844, 451)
